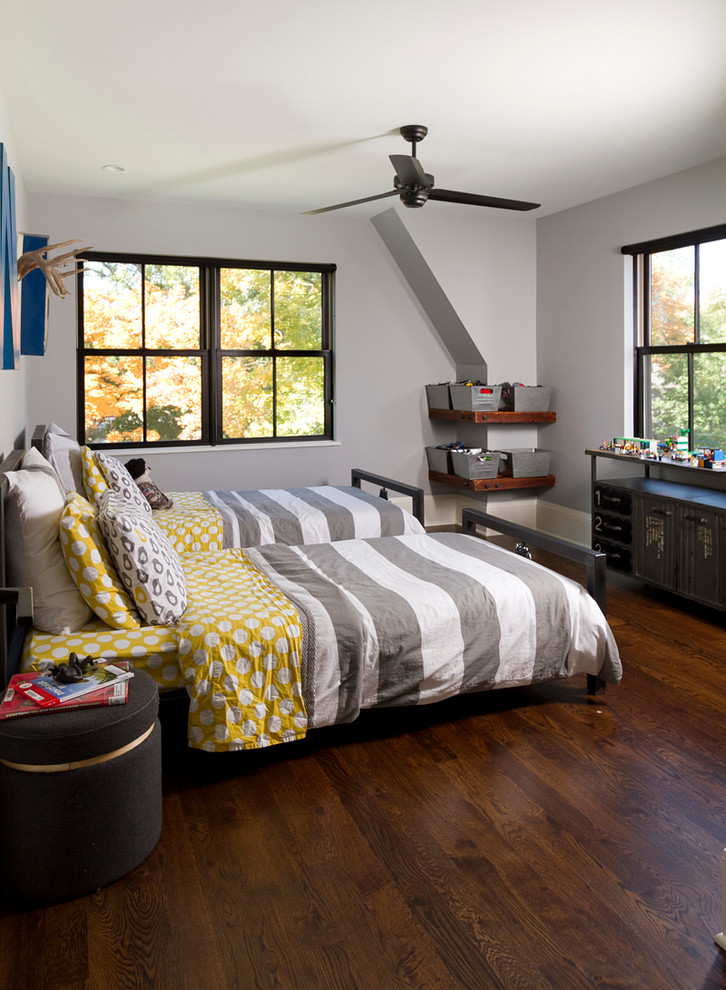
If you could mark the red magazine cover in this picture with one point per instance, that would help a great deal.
(46, 691)
(16, 703)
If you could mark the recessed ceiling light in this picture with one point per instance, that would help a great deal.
(114, 168)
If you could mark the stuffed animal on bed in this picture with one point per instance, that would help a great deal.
(142, 476)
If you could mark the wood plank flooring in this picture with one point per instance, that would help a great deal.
(528, 838)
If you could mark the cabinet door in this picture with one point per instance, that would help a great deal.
(655, 557)
(699, 560)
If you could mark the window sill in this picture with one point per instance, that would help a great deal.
(285, 445)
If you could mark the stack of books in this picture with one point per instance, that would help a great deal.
(38, 692)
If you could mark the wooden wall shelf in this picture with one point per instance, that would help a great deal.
(504, 416)
(499, 483)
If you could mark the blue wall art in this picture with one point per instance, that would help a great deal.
(8, 267)
(34, 301)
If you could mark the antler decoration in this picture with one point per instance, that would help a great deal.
(50, 266)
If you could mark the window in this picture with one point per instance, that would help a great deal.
(174, 351)
(680, 373)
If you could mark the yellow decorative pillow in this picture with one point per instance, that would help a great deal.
(90, 566)
(93, 479)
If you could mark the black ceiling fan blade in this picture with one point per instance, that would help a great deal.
(353, 202)
(410, 171)
(473, 199)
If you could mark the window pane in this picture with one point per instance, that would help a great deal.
(667, 377)
(298, 311)
(173, 398)
(111, 305)
(300, 396)
(672, 295)
(245, 317)
(114, 397)
(171, 307)
(709, 414)
(247, 398)
(712, 293)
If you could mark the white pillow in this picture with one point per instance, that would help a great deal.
(64, 454)
(145, 561)
(118, 478)
(33, 509)
(33, 460)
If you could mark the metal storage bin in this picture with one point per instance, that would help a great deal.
(438, 396)
(477, 398)
(525, 462)
(475, 466)
(527, 398)
(439, 459)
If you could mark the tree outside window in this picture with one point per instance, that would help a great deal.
(203, 352)
(681, 351)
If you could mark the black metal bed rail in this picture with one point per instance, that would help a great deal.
(415, 494)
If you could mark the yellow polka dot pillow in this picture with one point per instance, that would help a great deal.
(145, 560)
(90, 566)
(93, 480)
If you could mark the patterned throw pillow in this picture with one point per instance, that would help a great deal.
(146, 562)
(117, 477)
(90, 566)
(93, 481)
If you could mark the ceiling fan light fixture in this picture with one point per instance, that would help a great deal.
(414, 198)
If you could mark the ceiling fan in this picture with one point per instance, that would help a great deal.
(415, 187)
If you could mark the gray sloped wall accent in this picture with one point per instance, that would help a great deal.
(431, 297)
(441, 314)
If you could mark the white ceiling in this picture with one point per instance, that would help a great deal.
(290, 106)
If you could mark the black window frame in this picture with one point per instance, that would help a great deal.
(641, 254)
(210, 351)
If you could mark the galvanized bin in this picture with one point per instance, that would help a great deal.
(525, 462)
(439, 459)
(476, 466)
(476, 398)
(438, 396)
(527, 398)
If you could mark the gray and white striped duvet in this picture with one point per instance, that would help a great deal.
(295, 516)
(416, 619)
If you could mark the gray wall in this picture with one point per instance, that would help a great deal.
(386, 349)
(584, 310)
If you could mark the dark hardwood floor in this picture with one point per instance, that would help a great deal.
(528, 838)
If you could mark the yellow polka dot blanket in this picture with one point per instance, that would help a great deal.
(239, 649)
(236, 650)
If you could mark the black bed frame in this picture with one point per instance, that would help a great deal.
(16, 608)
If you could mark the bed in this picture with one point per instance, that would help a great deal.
(274, 641)
(211, 520)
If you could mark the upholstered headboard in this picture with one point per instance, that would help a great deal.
(16, 604)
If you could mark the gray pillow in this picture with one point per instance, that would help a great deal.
(145, 561)
(119, 480)
(64, 454)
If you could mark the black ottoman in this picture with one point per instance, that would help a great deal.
(80, 795)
